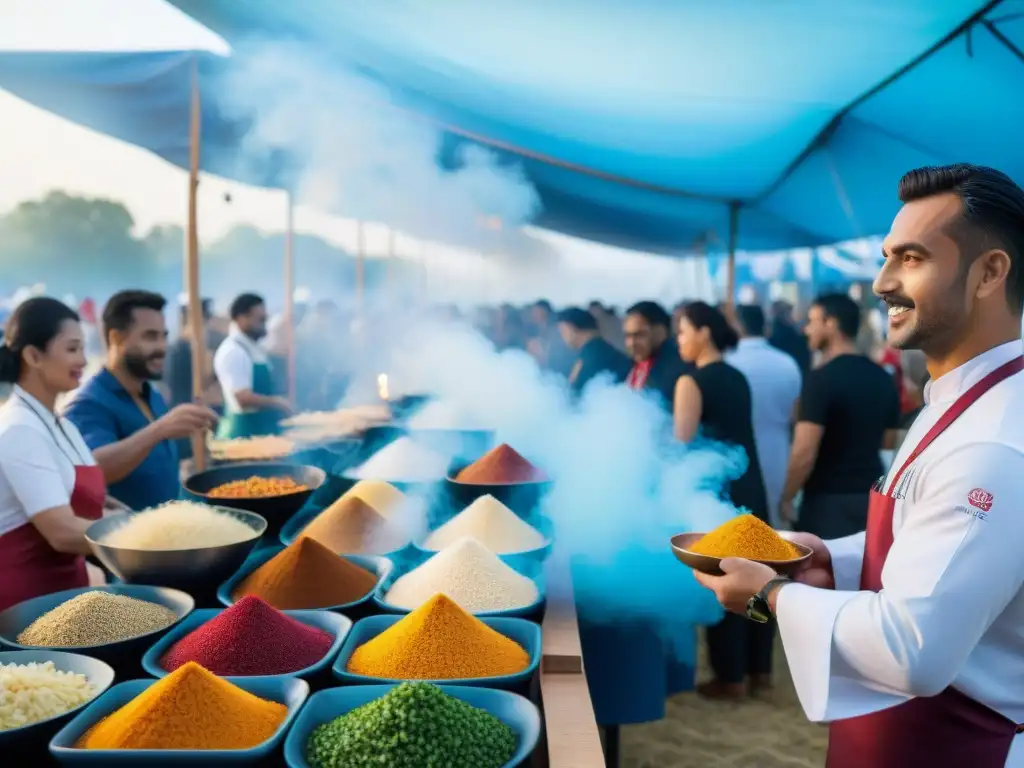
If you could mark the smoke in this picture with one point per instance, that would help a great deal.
(352, 151)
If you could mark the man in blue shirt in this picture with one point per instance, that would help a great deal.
(123, 418)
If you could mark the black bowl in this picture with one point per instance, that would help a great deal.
(197, 570)
(522, 498)
(276, 510)
(125, 655)
(406, 406)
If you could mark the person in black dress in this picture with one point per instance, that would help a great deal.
(714, 402)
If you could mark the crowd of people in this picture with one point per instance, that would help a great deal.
(811, 407)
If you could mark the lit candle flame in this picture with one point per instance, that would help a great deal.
(382, 387)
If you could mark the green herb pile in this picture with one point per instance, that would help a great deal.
(416, 725)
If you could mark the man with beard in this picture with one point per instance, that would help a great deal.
(652, 346)
(122, 416)
(251, 407)
(910, 636)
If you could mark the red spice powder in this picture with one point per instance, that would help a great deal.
(307, 574)
(500, 465)
(250, 638)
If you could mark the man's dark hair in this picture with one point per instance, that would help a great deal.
(245, 304)
(843, 310)
(652, 312)
(991, 214)
(751, 318)
(119, 312)
(578, 318)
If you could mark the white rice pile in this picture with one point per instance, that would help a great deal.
(179, 525)
(383, 497)
(404, 460)
(33, 692)
(442, 414)
(492, 524)
(471, 575)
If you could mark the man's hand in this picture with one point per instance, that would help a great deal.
(817, 571)
(742, 580)
(787, 512)
(185, 420)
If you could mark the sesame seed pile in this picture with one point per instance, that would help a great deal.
(96, 618)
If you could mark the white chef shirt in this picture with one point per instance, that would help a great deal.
(951, 608)
(37, 460)
(774, 379)
(233, 363)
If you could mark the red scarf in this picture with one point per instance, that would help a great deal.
(638, 374)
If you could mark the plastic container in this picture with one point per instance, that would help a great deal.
(525, 633)
(533, 609)
(382, 566)
(512, 709)
(335, 623)
(36, 736)
(289, 691)
(124, 655)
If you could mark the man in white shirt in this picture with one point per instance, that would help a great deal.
(774, 379)
(243, 369)
(910, 636)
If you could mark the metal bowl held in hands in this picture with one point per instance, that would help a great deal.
(711, 565)
(35, 736)
(190, 570)
(274, 509)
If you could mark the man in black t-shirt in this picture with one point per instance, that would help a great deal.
(849, 410)
(596, 356)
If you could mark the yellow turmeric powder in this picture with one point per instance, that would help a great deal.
(745, 536)
(191, 708)
(438, 641)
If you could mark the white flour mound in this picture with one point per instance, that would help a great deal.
(404, 460)
(469, 574)
(492, 524)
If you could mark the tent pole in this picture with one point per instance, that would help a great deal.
(289, 294)
(734, 226)
(195, 303)
(360, 266)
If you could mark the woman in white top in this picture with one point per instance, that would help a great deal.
(50, 486)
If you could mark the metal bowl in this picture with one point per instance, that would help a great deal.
(711, 565)
(190, 570)
(274, 509)
(38, 734)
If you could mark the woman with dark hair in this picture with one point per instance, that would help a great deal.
(50, 487)
(714, 402)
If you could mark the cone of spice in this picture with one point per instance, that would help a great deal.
(191, 708)
(745, 536)
(307, 575)
(500, 466)
(438, 641)
(250, 638)
(352, 526)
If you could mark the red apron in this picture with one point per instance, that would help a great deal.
(30, 567)
(949, 730)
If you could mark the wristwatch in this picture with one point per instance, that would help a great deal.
(757, 607)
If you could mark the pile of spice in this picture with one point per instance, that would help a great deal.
(307, 575)
(179, 525)
(263, 448)
(748, 537)
(191, 708)
(31, 693)
(257, 488)
(250, 638)
(383, 497)
(412, 726)
(500, 466)
(404, 460)
(96, 618)
(471, 575)
(492, 524)
(352, 526)
(438, 641)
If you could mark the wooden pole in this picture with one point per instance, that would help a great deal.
(734, 226)
(289, 294)
(360, 266)
(195, 302)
